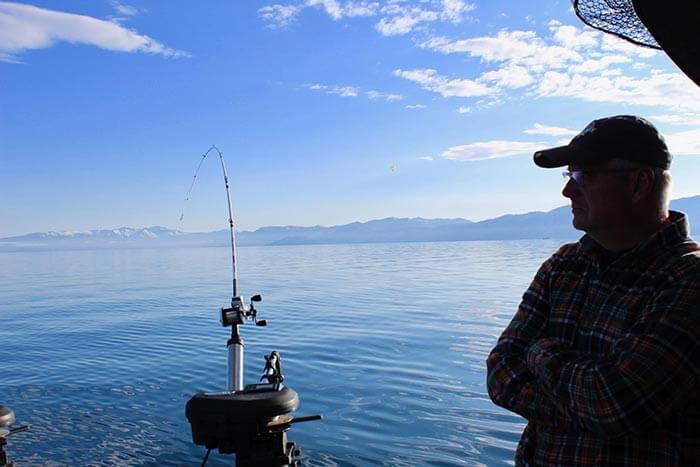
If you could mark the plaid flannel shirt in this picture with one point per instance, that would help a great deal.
(603, 360)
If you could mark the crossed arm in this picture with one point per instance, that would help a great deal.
(651, 372)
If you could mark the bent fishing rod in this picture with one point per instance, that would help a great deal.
(250, 421)
(230, 211)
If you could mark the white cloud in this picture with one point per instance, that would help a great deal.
(678, 119)
(573, 38)
(125, 11)
(426, 158)
(684, 143)
(453, 9)
(405, 22)
(343, 91)
(26, 27)
(569, 62)
(377, 95)
(279, 16)
(353, 91)
(611, 43)
(414, 106)
(430, 79)
(669, 90)
(586, 65)
(523, 48)
(510, 76)
(331, 7)
(599, 65)
(353, 9)
(539, 129)
(395, 17)
(490, 150)
(612, 72)
(464, 110)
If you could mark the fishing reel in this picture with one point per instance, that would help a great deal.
(239, 312)
(7, 418)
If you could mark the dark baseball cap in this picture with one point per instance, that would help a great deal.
(620, 137)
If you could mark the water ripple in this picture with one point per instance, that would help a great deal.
(102, 349)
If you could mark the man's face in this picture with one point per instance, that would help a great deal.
(600, 199)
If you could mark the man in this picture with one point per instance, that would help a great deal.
(603, 355)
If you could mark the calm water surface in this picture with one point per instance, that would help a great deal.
(102, 349)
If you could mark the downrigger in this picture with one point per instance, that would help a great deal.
(250, 421)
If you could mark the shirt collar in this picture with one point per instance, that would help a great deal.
(675, 230)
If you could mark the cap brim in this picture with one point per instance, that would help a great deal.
(564, 155)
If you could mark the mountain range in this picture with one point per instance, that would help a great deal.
(534, 225)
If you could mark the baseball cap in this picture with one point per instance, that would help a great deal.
(620, 137)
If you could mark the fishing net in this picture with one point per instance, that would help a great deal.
(616, 17)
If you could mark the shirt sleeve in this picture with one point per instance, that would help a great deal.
(651, 373)
(510, 382)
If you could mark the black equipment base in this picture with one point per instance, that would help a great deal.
(251, 423)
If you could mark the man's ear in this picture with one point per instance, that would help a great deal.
(643, 183)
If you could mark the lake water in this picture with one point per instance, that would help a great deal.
(101, 349)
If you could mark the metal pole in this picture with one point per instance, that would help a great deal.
(235, 360)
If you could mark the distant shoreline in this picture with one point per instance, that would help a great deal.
(554, 224)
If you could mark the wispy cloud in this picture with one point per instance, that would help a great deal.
(678, 119)
(402, 18)
(414, 106)
(453, 10)
(669, 90)
(510, 76)
(601, 64)
(464, 110)
(565, 61)
(377, 95)
(490, 150)
(395, 18)
(546, 130)
(124, 11)
(572, 37)
(430, 79)
(26, 27)
(684, 143)
(611, 43)
(569, 63)
(282, 15)
(405, 22)
(342, 91)
(279, 16)
(521, 48)
(354, 91)
(426, 158)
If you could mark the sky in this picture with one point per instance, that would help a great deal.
(326, 111)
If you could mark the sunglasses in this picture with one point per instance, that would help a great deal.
(578, 176)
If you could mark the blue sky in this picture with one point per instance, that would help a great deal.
(327, 111)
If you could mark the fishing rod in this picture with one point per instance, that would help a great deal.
(230, 211)
(250, 421)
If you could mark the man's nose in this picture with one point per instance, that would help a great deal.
(571, 189)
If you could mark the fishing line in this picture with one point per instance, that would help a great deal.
(230, 214)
